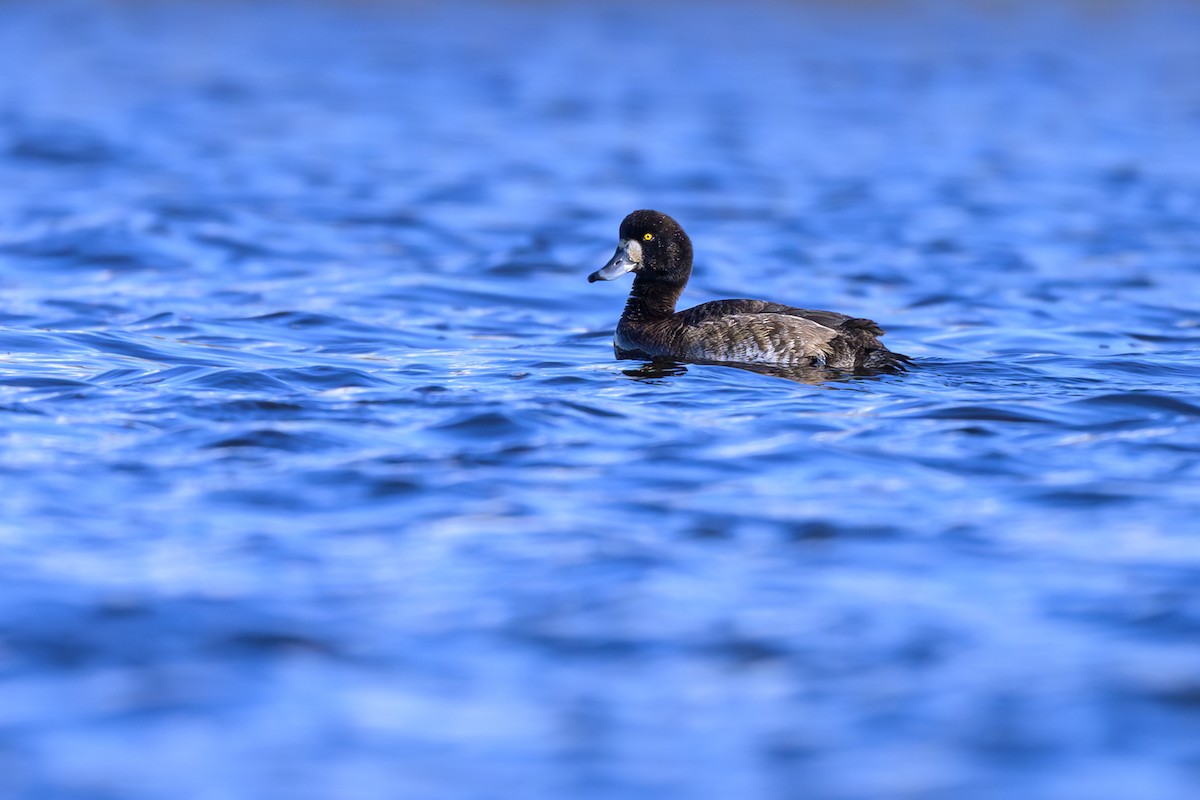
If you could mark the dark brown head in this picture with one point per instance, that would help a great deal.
(653, 246)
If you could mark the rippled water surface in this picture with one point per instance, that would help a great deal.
(318, 477)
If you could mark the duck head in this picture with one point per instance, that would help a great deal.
(653, 246)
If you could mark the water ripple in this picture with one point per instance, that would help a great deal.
(315, 447)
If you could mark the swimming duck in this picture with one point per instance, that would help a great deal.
(654, 247)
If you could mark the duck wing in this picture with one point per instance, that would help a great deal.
(830, 319)
(757, 338)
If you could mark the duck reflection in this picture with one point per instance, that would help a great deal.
(659, 369)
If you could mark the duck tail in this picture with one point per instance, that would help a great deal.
(884, 360)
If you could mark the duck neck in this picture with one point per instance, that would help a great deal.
(651, 299)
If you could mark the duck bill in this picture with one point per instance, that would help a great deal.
(627, 259)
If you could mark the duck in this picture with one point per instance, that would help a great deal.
(655, 248)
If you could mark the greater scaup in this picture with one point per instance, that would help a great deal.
(654, 247)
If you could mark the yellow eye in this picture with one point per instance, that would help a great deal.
(648, 236)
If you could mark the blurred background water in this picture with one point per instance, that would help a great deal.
(318, 478)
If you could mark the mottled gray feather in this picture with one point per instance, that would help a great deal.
(777, 339)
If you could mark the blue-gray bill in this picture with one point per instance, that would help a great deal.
(626, 259)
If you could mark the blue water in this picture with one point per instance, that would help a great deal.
(319, 479)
